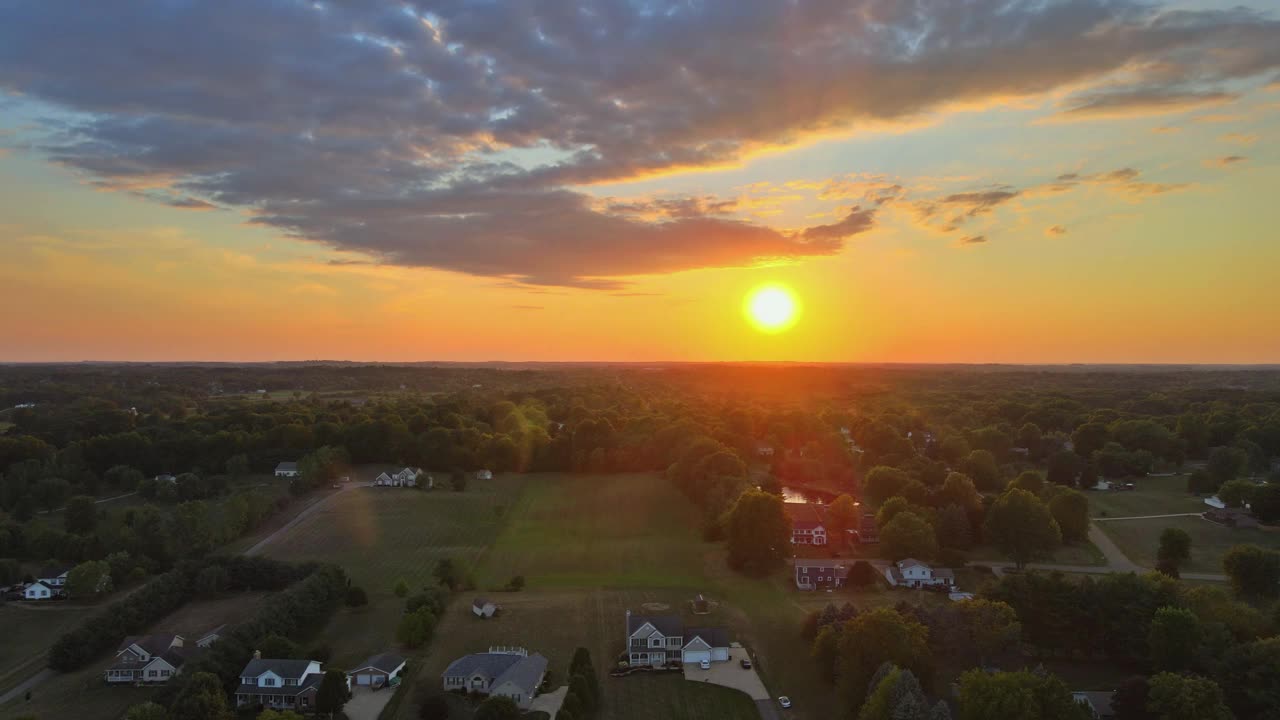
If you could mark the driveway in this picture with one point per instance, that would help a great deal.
(769, 710)
(730, 674)
(306, 513)
(550, 703)
(366, 704)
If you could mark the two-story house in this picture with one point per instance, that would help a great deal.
(914, 574)
(405, 477)
(149, 659)
(820, 574)
(54, 576)
(508, 671)
(280, 684)
(807, 523)
(662, 640)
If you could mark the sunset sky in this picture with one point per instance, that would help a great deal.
(935, 181)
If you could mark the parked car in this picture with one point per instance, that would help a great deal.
(705, 664)
(784, 701)
(746, 663)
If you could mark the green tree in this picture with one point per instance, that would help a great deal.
(447, 573)
(1266, 502)
(1254, 571)
(1023, 695)
(238, 466)
(1185, 697)
(843, 515)
(1130, 699)
(401, 588)
(1089, 438)
(51, 493)
(356, 597)
(953, 529)
(1071, 511)
(1029, 480)
(89, 579)
(759, 533)
(1250, 677)
(146, 711)
(1022, 527)
(1233, 493)
(279, 647)
(982, 467)
(211, 581)
(882, 483)
(416, 628)
(871, 639)
(498, 707)
(908, 535)
(333, 693)
(1226, 464)
(1174, 639)
(958, 489)
(981, 629)
(202, 698)
(80, 515)
(1175, 548)
(1063, 468)
(434, 707)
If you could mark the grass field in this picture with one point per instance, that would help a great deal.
(1138, 539)
(27, 632)
(1153, 496)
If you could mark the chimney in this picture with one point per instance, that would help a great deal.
(257, 654)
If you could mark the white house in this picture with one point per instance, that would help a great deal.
(406, 477)
(377, 671)
(807, 526)
(483, 607)
(210, 637)
(280, 684)
(148, 659)
(484, 475)
(38, 591)
(662, 640)
(54, 577)
(914, 574)
(287, 470)
(166, 478)
(511, 672)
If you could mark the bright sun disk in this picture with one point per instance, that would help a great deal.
(771, 308)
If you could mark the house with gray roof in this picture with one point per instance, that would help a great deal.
(508, 671)
(662, 640)
(379, 670)
(280, 684)
(288, 469)
(912, 573)
(149, 659)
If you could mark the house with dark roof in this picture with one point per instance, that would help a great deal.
(288, 469)
(484, 607)
(211, 637)
(149, 659)
(820, 574)
(508, 671)
(662, 640)
(912, 573)
(1097, 703)
(280, 684)
(55, 576)
(377, 671)
(807, 526)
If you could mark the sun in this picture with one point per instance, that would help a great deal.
(771, 308)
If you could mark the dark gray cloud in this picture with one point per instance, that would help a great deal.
(388, 127)
(973, 240)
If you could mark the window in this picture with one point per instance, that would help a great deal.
(164, 673)
(268, 682)
(290, 681)
(151, 673)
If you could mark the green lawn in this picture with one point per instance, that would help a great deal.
(1153, 496)
(1138, 539)
(28, 631)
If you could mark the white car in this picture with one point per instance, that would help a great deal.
(705, 664)
(784, 701)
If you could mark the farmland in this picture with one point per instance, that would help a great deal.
(1209, 541)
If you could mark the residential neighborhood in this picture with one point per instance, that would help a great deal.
(279, 684)
(663, 640)
(505, 671)
(150, 659)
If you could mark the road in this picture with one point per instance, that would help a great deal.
(96, 502)
(1145, 517)
(27, 684)
(316, 505)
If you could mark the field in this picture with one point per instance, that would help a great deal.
(1153, 496)
(1084, 553)
(83, 695)
(28, 631)
(1209, 541)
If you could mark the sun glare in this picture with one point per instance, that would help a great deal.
(771, 308)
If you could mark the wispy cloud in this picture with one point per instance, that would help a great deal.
(1226, 161)
(1239, 138)
(1055, 231)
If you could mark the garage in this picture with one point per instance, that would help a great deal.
(697, 656)
(719, 654)
(367, 678)
(377, 671)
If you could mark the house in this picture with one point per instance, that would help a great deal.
(149, 659)
(38, 591)
(1098, 703)
(868, 531)
(210, 637)
(377, 671)
(511, 672)
(166, 478)
(764, 450)
(1231, 517)
(483, 607)
(806, 523)
(484, 475)
(820, 574)
(287, 469)
(405, 477)
(287, 684)
(1213, 502)
(54, 576)
(662, 640)
(912, 573)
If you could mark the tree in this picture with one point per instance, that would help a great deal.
(1130, 699)
(1028, 480)
(1186, 697)
(1250, 678)
(759, 532)
(953, 529)
(862, 574)
(1175, 548)
(894, 694)
(1089, 438)
(416, 628)
(1266, 502)
(871, 639)
(1234, 493)
(333, 693)
(958, 489)
(981, 629)
(458, 481)
(211, 581)
(498, 707)
(401, 588)
(80, 515)
(1254, 571)
(1023, 695)
(356, 597)
(1071, 511)
(843, 515)
(50, 493)
(1064, 468)
(201, 698)
(434, 707)
(1226, 464)
(882, 483)
(270, 714)
(238, 466)
(147, 711)
(89, 579)
(907, 535)
(1200, 482)
(982, 467)
(1174, 639)
(277, 646)
(447, 573)
(1022, 527)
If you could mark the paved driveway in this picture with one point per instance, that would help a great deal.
(730, 674)
(550, 703)
(365, 704)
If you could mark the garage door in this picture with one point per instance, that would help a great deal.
(720, 654)
(363, 679)
(696, 656)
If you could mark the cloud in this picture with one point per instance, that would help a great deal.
(1239, 138)
(1226, 161)
(1055, 231)
(1166, 130)
(455, 135)
(972, 240)
(1138, 103)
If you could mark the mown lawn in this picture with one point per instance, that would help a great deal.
(1153, 496)
(1139, 539)
(27, 632)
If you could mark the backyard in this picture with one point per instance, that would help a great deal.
(1138, 539)
(1153, 496)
